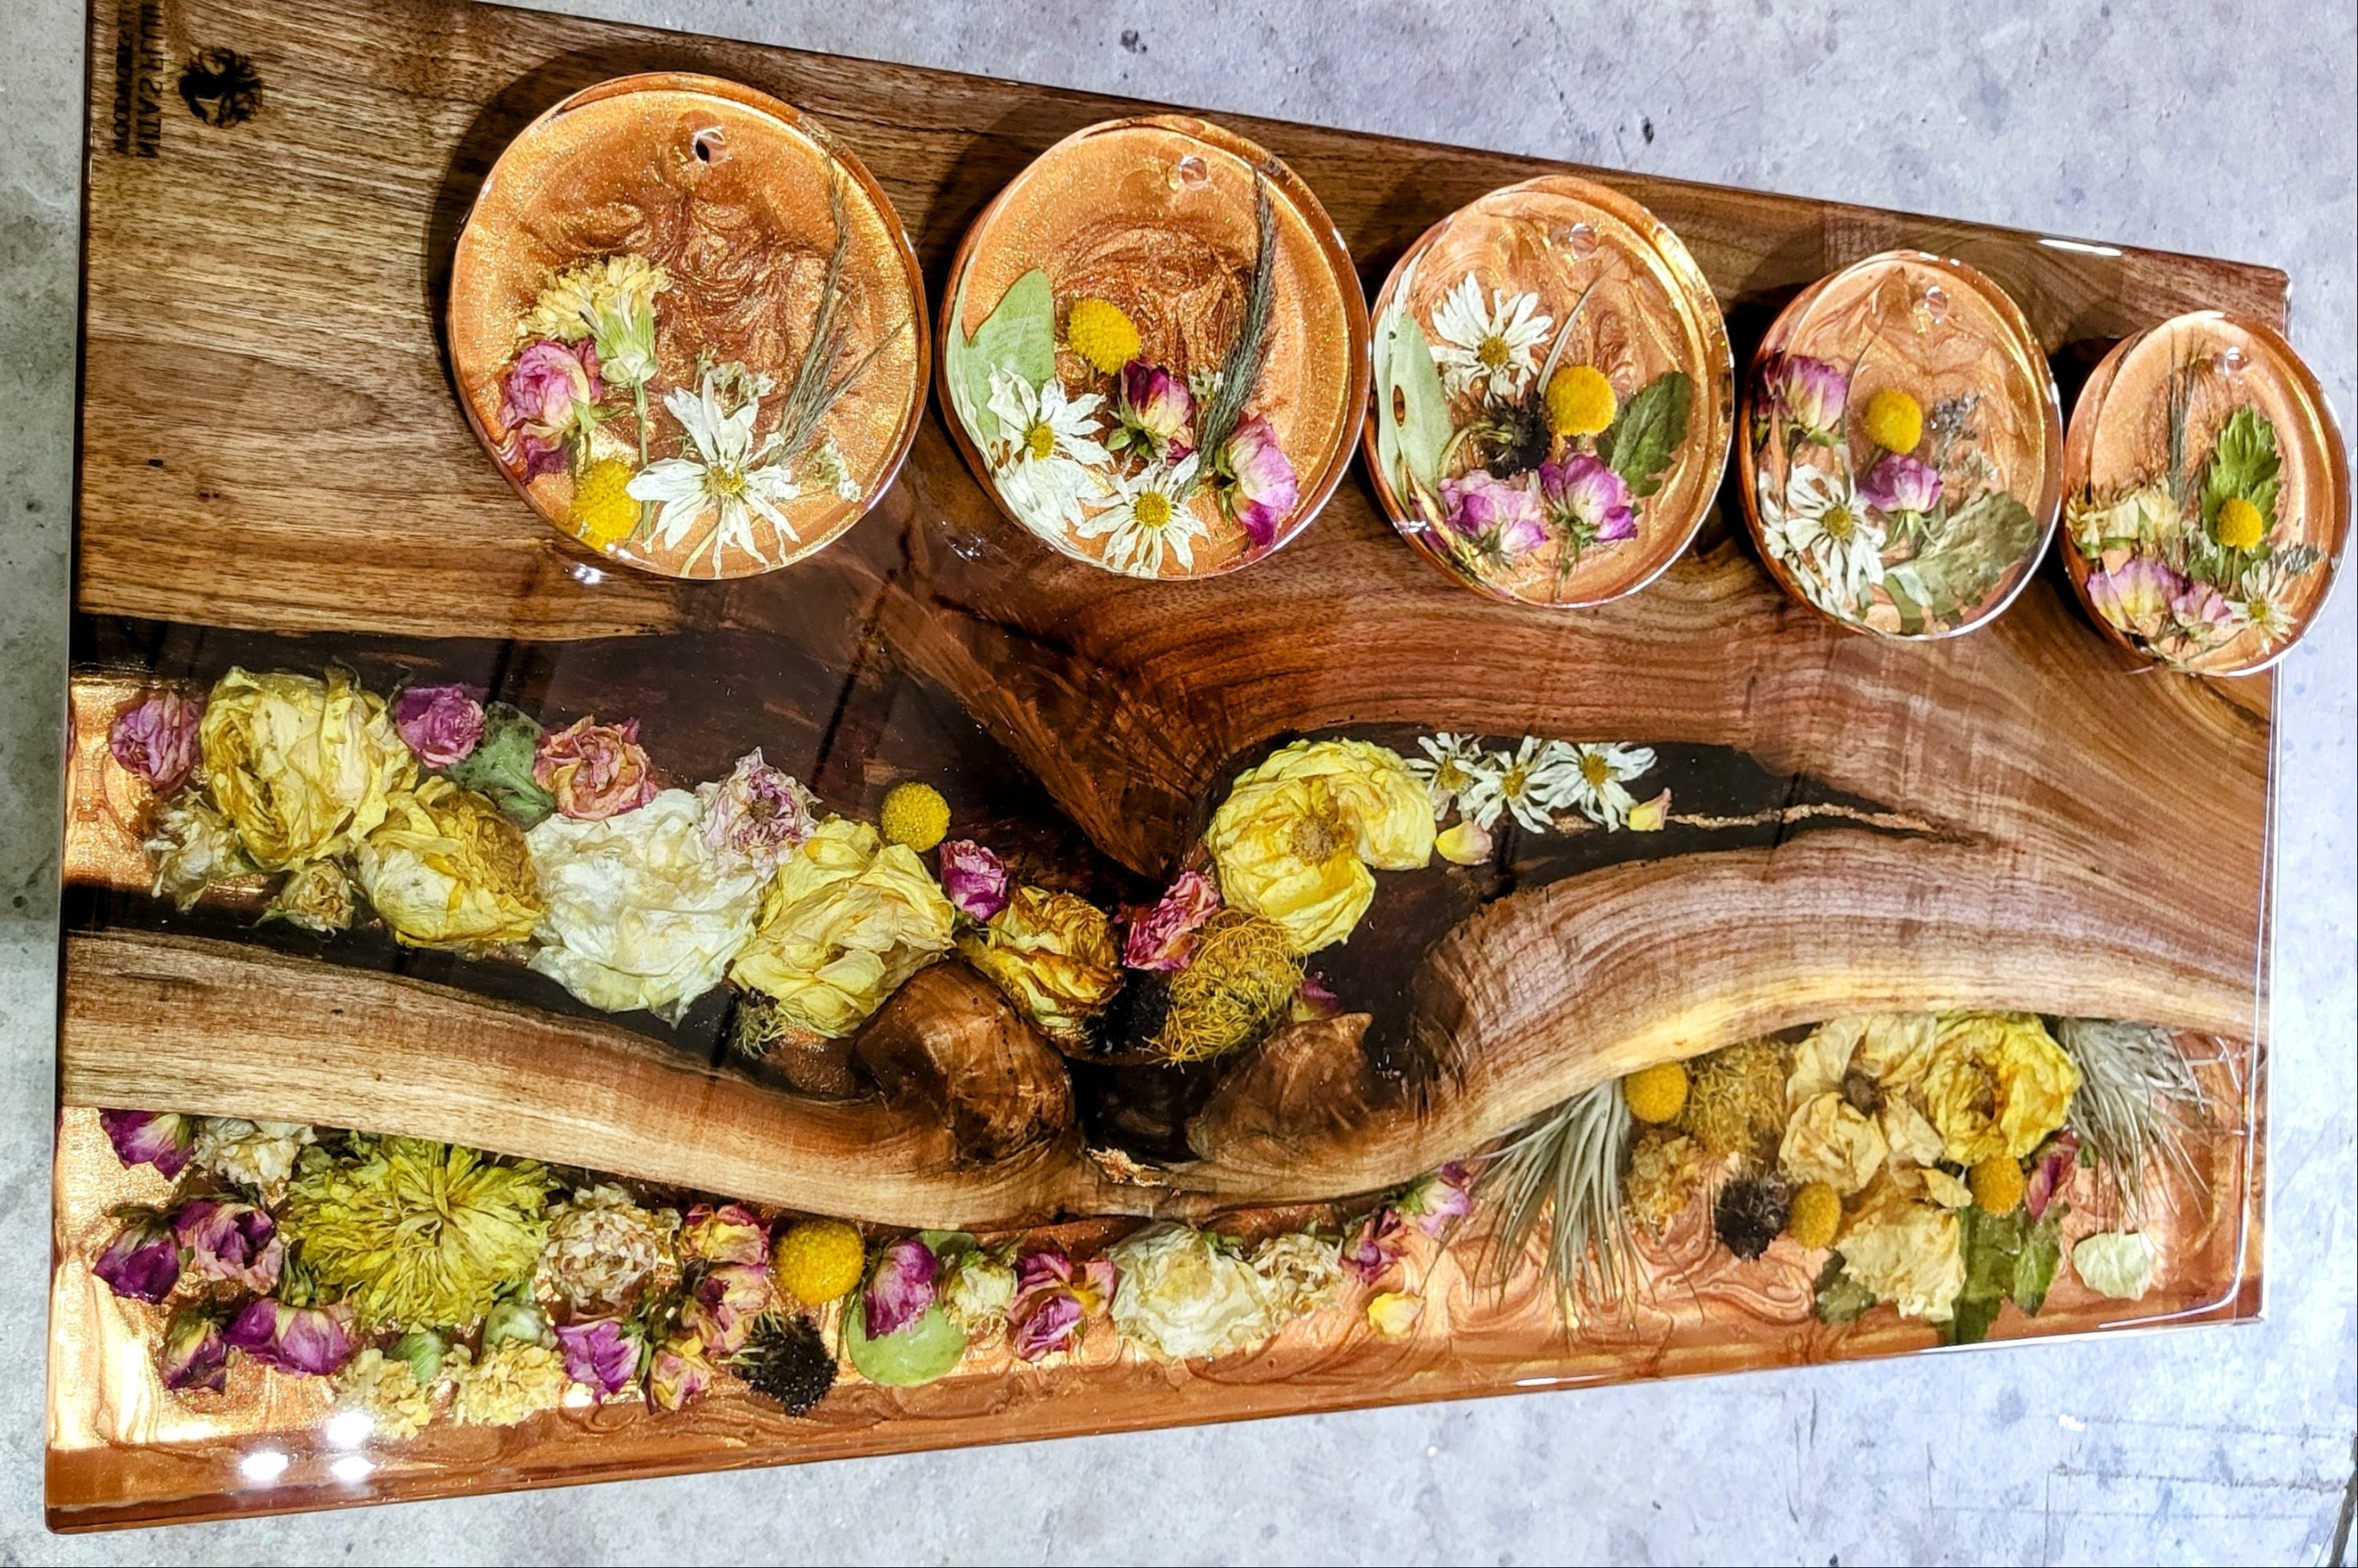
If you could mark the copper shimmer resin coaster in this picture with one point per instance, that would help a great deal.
(2208, 496)
(687, 326)
(1155, 353)
(1902, 457)
(1552, 395)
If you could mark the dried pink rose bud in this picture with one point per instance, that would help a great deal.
(1260, 488)
(548, 400)
(678, 1373)
(143, 1262)
(194, 1354)
(1498, 513)
(443, 724)
(1163, 938)
(1899, 483)
(973, 878)
(2053, 1174)
(1437, 1199)
(1054, 1297)
(235, 1242)
(312, 1340)
(1152, 406)
(601, 1355)
(1376, 1246)
(151, 1138)
(1813, 393)
(730, 1234)
(902, 1287)
(1589, 496)
(595, 771)
(157, 739)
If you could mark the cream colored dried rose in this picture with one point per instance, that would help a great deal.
(602, 1246)
(1301, 1273)
(512, 1382)
(1829, 1139)
(387, 1392)
(1183, 1294)
(258, 1154)
(1908, 1253)
(977, 1295)
(191, 847)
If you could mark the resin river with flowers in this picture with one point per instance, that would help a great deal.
(943, 991)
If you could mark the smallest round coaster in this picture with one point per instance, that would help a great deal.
(1903, 451)
(2208, 496)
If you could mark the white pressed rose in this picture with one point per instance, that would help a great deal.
(1181, 1294)
(639, 913)
(1301, 1273)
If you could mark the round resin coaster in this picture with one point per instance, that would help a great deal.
(1155, 350)
(1553, 395)
(2208, 494)
(687, 327)
(1903, 448)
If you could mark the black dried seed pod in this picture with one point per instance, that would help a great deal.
(1748, 1215)
(787, 1360)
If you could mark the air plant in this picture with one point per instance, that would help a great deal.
(2139, 1102)
(1568, 1161)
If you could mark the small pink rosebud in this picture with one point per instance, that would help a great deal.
(157, 739)
(973, 879)
(150, 1137)
(602, 1354)
(234, 1242)
(730, 1234)
(595, 771)
(143, 1262)
(443, 724)
(902, 1287)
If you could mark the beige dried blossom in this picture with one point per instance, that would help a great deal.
(602, 1247)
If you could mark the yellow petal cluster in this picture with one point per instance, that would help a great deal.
(512, 1382)
(387, 1392)
(1831, 1140)
(1297, 834)
(304, 768)
(1053, 956)
(1909, 1253)
(317, 896)
(847, 919)
(1998, 1084)
(446, 870)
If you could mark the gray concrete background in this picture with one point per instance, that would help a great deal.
(2223, 128)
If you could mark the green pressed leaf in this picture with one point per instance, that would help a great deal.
(1838, 1298)
(1969, 554)
(1412, 410)
(1905, 591)
(2244, 462)
(2034, 1266)
(1019, 338)
(1971, 1319)
(1643, 440)
(919, 1353)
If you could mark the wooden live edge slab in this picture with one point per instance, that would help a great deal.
(273, 466)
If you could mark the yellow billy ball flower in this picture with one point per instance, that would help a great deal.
(1580, 400)
(1815, 1215)
(1997, 1183)
(1658, 1093)
(604, 513)
(915, 815)
(1894, 421)
(1098, 331)
(818, 1260)
(2239, 525)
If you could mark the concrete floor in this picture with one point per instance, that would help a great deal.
(2214, 128)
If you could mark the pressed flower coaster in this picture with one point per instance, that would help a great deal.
(1902, 457)
(1154, 353)
(2207, 495)
(1553, 395)
(687, 326)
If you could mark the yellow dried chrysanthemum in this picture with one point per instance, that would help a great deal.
(304, 768)
(1053, 956)
(848, 918)
(1665, 1174)
(511, 1382)
(1242, 980)
(387, 1392)
(1735, 1098)
(446, 870)
(1998, 1084)
(193, 847)
(417, 1234)
(1295, 837)
(602, 1247)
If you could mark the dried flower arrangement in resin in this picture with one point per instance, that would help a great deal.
(2207, 495)
(1902, 452)
(1552, 395)
(687, 325)
(1154, 349)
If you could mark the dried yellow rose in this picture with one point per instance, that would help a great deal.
(1295, 837)
(1892, 1048)
(1998, 1083)
(446, 870)
(848, 918)
(1909, 1253)
(1830, 1140)
(304, 768)
(1053, 956)
(317, 896)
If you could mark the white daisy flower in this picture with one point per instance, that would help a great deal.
(1452, 765)
(730, 479)
(2258, 601)
(1826, 539)
(1150, 516)
(1510, 781)
(1053, 459)
(1472, 343)
(1589, 778)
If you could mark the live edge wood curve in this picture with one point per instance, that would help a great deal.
(269, 441)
